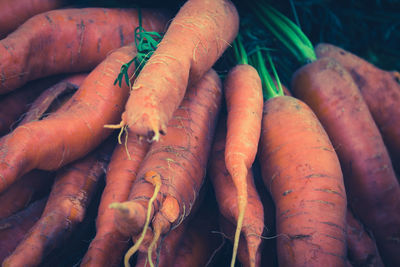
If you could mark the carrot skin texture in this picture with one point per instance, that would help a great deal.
(108, 246)
(180, 158)
(379, 88)
(301, 170)
(361, 248)
(371, 184)
(14, 228)
(65, 208)
(195, 39)
(69, 40)
(253, 224)
(21, 193)
(75, 129)
(14, 13)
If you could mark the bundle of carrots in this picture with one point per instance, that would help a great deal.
(196, 160)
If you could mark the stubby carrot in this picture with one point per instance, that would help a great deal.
(195, 39)
(20, 194)
(244, 101)
(109, 245)
(65, 208)
(14, 13)
(372, 187)
(73, 130)
(68, 40)
(174, 166)
(224, 185)
(361, 248)
(302, 172)
(379, 88)
(14, 228)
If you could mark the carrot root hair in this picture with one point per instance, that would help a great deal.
(242, 203)
(157, 234)
(155, 179)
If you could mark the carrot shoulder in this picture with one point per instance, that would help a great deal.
(379, 88)
(69, 40)
(175, 165)
(372, 187)
(73, 130)
(195, 39)
(301, 170)
(109, 245)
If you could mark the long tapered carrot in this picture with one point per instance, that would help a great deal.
(14, 13)
(175, 165)
(372, 186)
(73, 130)
(109, 245)
(65, 208)
(244, 101)
(224, 185)
(302, 172)
(379, 88)
(69, 40)
(195, 39)
(14, 228)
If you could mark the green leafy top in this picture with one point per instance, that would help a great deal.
(146, 43)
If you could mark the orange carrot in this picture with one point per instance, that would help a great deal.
(14, 13)
(379, 88)
(361, 248)
(195, 39)
(69, 40)
(109, 245)
(174, 166)
(20, 194)
(244, 101)
(371, 184)
(73, 130)
(253, 223)
(302, 172)
(14, 104)
(65, 208)
(14, 228)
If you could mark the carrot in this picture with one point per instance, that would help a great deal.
(73, 130)
(14, 104)
(69, 40)
(14, 13)
(195, 39)
(244, 100)
(108, 246)
(372, 186)
(47, 100)
(224, 185)
(167, 250)
(65, 208)
(174, 166)
(379, 88)
(20, 194)
(302, 172)
(361, 248)
(14, 228)
(199, 242)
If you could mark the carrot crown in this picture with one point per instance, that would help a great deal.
(285, 31)
(146, 43)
